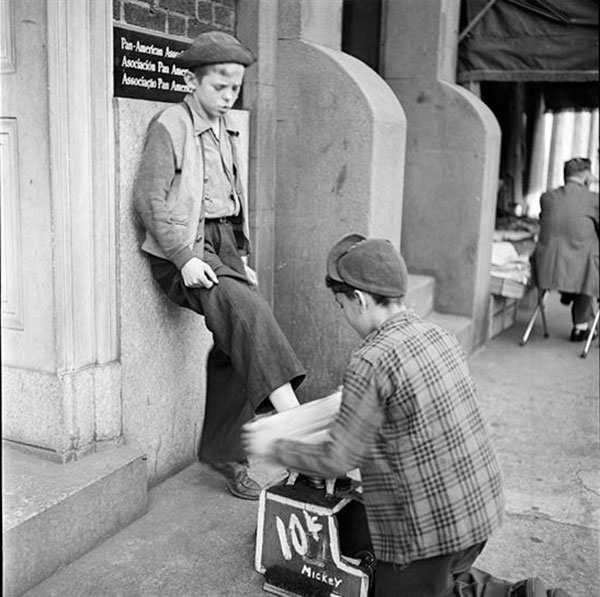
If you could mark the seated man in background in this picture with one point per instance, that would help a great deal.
(566, 256)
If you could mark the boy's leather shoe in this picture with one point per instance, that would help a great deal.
(529, 587)
(239, 482)
(368, 563)
(242, 486)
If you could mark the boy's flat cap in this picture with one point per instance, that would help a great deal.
(370, 264)
(215, 47)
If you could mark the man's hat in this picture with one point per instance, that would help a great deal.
(215, 47)
(370, 264)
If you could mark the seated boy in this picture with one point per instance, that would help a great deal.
(190, 201)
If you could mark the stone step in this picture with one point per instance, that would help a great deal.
(458, 325)
(420, 297)
(420, 294)
(54, 513)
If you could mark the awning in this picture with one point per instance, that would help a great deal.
(528, 40)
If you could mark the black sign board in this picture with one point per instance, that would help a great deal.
(298, 539)
(144, 66)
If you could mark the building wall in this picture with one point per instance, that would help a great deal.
(184, 18)
(163, 347)
(93, 355)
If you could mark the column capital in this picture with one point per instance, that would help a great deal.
(312, 20)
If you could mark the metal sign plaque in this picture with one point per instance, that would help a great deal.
(144, 66)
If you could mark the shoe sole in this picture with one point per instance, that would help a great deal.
(243, 496)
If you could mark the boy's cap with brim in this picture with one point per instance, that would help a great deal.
(215, 47)
(341, 248)
(370, 264)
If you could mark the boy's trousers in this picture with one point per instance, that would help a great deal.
(451, 575)
(250, 358)
(432, 577)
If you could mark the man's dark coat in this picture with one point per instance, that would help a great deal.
(566, 257)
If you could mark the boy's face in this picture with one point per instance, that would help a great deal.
(356, 312)
(219, 88)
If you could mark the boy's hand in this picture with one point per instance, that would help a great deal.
(198, 274)
(251, 275)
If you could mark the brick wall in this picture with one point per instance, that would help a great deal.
(185, 18)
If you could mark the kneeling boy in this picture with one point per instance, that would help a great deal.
(410, 421)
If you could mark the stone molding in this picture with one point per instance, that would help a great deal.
(82, 182)
(12, 266)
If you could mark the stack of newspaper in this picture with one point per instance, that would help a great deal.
(308, 423)
(511, 272)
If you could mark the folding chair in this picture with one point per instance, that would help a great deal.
(539, 308)
(590, 337)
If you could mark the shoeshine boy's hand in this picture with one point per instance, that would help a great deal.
(198, 274)
(256, 442)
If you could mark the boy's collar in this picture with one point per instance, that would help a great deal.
(201, 125)
(392, 318)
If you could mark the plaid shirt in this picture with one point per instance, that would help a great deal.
(410, 421)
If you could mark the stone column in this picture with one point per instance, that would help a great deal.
(452, 158)
(539, 161)
(593, 151)
(257, 28)
(561, 144)
(340, 156)
(61, 375)
(581, 133)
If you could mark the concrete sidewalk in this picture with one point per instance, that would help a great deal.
(542, 403)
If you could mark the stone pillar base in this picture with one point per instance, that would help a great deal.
(62, 417)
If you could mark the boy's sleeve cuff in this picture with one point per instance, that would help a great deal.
(181, 258)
